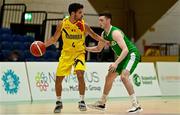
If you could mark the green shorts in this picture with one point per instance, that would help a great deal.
(129, 63)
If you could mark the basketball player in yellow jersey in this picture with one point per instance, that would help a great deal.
(73, 31)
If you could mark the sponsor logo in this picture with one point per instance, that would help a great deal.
(136, 80)
(41, 81)
(145, 80)
(10, 82)
(113, 43)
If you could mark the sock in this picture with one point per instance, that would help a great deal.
(58, 98)
(81, 97)
(134, 100)
(104, 98)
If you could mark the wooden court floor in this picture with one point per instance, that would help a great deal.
(115, 106)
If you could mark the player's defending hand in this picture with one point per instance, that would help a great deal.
(113, 67)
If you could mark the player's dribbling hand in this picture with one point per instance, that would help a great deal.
(113, 67)
(87, 48)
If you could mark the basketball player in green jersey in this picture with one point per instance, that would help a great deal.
(125, 64)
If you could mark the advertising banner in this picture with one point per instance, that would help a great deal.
(169, 77)
(13, 82)
(42, 81)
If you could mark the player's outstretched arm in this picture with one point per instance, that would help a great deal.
(93, 34)
(97, 48)
(55, 37)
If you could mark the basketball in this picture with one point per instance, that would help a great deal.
(37, 48)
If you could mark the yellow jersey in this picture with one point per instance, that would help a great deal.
(73, 36)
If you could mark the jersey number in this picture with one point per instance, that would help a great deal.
(73, 45)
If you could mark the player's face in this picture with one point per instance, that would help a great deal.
(102, 21)
(79, 14)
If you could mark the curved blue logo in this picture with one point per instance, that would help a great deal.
(11, 82)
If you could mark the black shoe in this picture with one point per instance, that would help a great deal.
(97, 105)
(134, 109)
(58, 107)
(82, 106)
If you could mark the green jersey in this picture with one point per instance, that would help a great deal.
(114, 45)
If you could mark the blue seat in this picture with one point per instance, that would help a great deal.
(6, 53)
(27, 54)
(21, 55)
(18, 38)
(35, 59)
(39, 59)
(1, 57)
(5, 31)
(51, 59)
(18, 46)
(52, 47)
(58, 53)
(27, 45)
(6, 45)
(51, 54)
(6, 37)
(30, 59)
(29, 39)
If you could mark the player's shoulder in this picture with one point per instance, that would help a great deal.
(115, 28)
(82, 20)
(66, 18)
(59, 25)
(63, 21)
(117, 33)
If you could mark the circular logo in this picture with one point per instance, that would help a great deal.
(136, 80)
(113, 43)
(11, 82)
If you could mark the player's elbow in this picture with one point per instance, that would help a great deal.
(126, 51)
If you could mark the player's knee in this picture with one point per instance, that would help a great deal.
(59, 79)
(124, 75)
(80, 76)
(80, 73)
(123, 78)
(81, 80)
(110, 77)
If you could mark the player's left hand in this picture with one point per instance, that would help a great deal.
(113, 67)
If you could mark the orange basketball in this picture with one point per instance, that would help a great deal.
(37, 48)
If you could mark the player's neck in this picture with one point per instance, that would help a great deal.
(72, 20)
(107, 29)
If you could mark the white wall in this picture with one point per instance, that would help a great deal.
(58, 6)
(167, 29)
